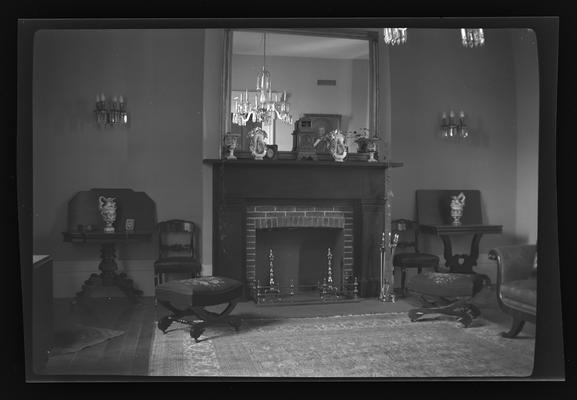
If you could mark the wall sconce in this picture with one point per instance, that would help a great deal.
(110, 112)
(451, 129)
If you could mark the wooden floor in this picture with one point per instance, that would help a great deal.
(127, 355)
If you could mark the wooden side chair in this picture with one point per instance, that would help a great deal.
(178, 245)
(408, 231)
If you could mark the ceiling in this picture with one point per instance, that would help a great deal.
(287, 45)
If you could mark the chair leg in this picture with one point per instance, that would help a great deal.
(403, 279)
(516, 328)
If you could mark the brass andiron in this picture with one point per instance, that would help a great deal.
(273, 290)
(387, 293)
(328, 290)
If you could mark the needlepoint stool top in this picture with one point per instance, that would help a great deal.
(203, 291)
(446, 284)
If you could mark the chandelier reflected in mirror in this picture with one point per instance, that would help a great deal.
(395, 36)
(472, 37)
(267, 106)
(469, 37)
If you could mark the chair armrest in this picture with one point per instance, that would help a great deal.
(513, 262)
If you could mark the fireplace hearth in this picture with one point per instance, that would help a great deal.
(253, 199)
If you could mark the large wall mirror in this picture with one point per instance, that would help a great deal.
(321, 72)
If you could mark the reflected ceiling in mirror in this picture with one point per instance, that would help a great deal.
(320, 75)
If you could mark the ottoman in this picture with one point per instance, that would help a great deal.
(450, 294)
(189, 297)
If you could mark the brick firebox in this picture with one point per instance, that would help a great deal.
(298, 216)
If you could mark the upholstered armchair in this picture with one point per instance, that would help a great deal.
(517, 284)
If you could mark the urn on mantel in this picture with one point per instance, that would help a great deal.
(257, 143)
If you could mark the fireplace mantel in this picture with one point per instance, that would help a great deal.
(305, 163)
(241, 183)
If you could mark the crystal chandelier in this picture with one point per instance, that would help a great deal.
(394, 36)
(472, 37)
(266, 106)
(469, 37)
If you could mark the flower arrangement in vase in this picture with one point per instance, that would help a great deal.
(336, 141)
(365, 143)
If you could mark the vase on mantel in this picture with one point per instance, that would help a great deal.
(257, 143)
(337, 146)
(366, 144)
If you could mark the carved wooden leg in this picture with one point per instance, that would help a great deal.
(235, 322)
(464, 312)
(516, 328)
(164, 323)
(196, 330)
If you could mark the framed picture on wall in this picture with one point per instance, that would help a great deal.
(129, 225)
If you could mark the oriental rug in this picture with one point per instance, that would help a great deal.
(375, 345)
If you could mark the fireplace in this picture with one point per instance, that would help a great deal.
(259, 202)
(298, 249)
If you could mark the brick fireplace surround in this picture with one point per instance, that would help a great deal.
(293, 216)
(249, 195)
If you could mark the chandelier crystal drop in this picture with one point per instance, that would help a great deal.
(267, 106)
(472, 37)
(395, 36)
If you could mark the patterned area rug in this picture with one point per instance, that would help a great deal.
(376, 345)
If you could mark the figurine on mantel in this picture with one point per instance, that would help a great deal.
(230, 143)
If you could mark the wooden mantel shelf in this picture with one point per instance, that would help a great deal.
(305, 163)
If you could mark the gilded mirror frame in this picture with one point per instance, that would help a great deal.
(360, 34)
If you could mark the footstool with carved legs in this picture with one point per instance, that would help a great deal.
(189, 297)
(446, 293)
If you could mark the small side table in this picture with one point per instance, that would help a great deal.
(461, 263)
(108, 277)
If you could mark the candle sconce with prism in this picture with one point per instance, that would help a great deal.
(110, 113)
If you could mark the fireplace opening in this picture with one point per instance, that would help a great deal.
(300, 257)
(287, 253)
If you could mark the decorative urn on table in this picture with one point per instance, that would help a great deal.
(257, 143)
(107, 207)
(457, 205)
